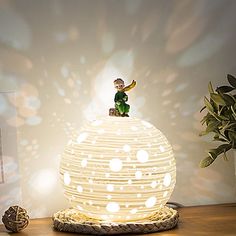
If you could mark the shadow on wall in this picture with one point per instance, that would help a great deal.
(61, 57)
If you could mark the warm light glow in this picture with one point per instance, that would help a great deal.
(138, 174)
(150, 202)
(112, 207)
(126, 148)
(66, 178)
(167, 179)
(79, 189)
(82, 137)
(110, 187)
(115, 164)
(118, 169)
(142, 156)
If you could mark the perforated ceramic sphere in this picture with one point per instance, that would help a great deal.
(118, 169)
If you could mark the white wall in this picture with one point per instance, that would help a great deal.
(61, 58)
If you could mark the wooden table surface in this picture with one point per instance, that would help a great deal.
(198, 220)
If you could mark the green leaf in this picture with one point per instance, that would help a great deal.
(206, 119)
(226, 134)
(232, 136)
(202, 109)
(222, 110)
(225, 150)
(208, 104)
(225, 156)
(203, 133)
(219, 139)
(225, 118)
(212, 126)
(224, 89)
(231, 125)
(229, 100)
(210, 88)
(206, 162)
(233, 112)
(213, 154)
(219, 118)
(232, 80)
(218, 99)
(225, 124)
(222, 148)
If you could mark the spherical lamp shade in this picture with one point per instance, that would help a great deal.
(118, 169)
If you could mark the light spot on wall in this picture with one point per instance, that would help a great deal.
(82, 60)
(32, 102)
(3, 104)
(16, 33)
(65, 71)
(43, 181)
(33, 120)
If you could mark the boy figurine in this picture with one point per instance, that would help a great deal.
(122, 108)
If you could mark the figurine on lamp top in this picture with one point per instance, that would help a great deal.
(121, 107)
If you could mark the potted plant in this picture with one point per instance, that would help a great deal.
(220, 119)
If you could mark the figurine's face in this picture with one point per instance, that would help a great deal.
(119, 86)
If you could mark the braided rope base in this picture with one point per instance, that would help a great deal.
(71, 220)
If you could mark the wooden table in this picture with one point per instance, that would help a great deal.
(198, 220)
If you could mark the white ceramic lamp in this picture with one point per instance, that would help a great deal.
(118, 170)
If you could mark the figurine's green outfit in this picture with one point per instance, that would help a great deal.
(120, 102)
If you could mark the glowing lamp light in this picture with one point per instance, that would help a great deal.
(118, 169)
